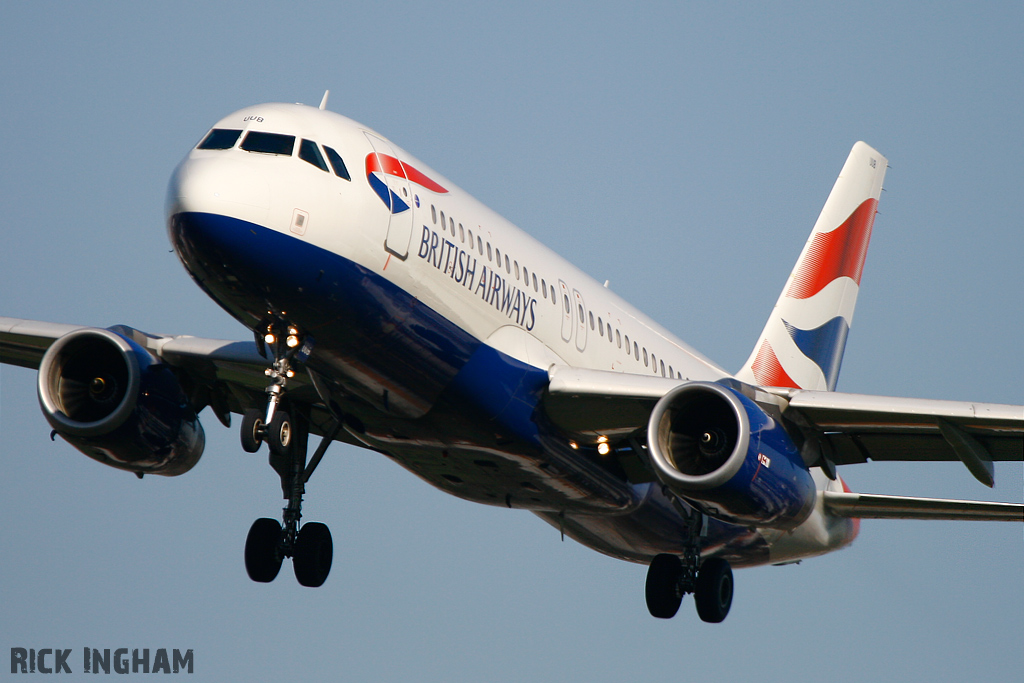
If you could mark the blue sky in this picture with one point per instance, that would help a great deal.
(681, 152)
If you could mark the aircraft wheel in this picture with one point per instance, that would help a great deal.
(713, 594)
(262, 551)
(663, 592)
(252, 425)
(279, 433)
(314, 552)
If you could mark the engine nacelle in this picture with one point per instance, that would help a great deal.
(718, 449)
(112, 400)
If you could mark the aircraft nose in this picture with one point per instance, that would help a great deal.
(221, 186)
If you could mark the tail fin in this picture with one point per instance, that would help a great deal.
(802, 344)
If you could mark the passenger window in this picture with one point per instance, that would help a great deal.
(670, 373)
(310, 153)
(443, 224)
(451, 224)
(566, 297)
(600, 326)
(508, 268)
(517, 269)
(480, 245)
(497, 256)
(554, 296)
(636, 351)
(269, 143)
(618, 339)
(627, 344)
(526, 276)
(433, 214)
(583, 316)
(470, 239)
(462, 233)
(339, 166)
(488, 251)
(591, 314)
(535, 282)
(220, 138)
(662, 365)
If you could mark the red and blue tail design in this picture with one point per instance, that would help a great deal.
(802, 344)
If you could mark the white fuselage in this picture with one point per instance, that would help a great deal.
(447, 252)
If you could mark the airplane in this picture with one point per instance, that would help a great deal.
(392, 311)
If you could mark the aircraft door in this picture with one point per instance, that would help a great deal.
(566, 307)
(387, 177)
(581, 320)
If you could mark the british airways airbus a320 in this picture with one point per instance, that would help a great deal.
(392, 311)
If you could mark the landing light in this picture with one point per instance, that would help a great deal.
(573, 445)
(603, 448)
(292, 341)
(269, 338)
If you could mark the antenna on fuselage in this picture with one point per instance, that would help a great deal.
(323, 102)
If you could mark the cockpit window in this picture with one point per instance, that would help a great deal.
(269, 143)
(309, 152)
(220, 138)
(337, 163)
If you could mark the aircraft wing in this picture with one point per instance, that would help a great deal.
(226, 375)
(24, 342)
(858, 428)
(839, 428)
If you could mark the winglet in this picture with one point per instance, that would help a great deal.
(802, 344)
(323, 102)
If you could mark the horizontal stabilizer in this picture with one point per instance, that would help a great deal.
(867, 506)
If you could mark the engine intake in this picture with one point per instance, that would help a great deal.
(112, 400)
(719, 450)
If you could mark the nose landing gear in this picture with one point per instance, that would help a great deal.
(310, 545)
(273, 425)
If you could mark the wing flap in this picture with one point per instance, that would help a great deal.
(856, 428)
(871, 506)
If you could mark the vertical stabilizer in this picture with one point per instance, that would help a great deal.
(802, 344)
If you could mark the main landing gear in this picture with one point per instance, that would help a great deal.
(269, 542)
(670, 577)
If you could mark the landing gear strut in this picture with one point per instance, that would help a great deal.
(272, 425)
(670, 577)
(310, 545)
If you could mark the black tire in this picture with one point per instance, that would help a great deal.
(664, 595)
(314, 552)
(280, 433)
(252, 425)
(262, 552)
(713, 594)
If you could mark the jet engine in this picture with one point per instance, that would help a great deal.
(719, 450)
(111, 399)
